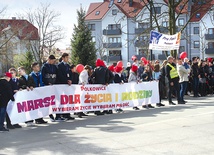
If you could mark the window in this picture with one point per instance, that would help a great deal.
(165, 23)
(97, 13)
(211, 45)
(198, 15)
(91, 27)
(211, 31)
(143, 38)
(196, 44)
(114, 40)
(181, 22)
(114, 26)
(156, 10)
(181, 49)
(196, 30)
(143, 25)
(114, 53)
(114, 12)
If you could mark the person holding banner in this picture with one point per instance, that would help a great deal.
(64, 76)
(26, 82)
(118, 78)
(133, 78)
(100, 76)
(83, 80)
(6, 95)
(37, 77)
(172, 75)
(49, 71)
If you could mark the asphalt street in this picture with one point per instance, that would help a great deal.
(170, 130)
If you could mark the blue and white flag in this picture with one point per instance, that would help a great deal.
(159, 41)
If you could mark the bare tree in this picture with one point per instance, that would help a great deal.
(44, 18)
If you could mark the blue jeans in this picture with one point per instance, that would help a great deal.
(195, 86)
(2, 116)
(183, 89)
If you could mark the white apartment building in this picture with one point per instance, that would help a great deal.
(121, 28)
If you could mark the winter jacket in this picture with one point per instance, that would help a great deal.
(49, 72)
(6, 93)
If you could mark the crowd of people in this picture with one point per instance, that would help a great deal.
(176, 77)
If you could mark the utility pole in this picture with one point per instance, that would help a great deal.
(150, 20)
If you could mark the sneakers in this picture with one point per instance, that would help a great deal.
(119, 110)
(52, 118)
(159, 105)
(41, 122)
(3, 129)
(136, 108)
(59, 119)
(150, 106)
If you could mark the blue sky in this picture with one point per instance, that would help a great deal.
(67, 9)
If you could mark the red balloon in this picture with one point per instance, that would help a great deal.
(183, 55)
(120, 64)
(79, 68)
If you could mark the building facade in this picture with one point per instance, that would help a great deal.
(16, 37)
(121, 28)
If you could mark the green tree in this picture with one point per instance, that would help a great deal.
(26, 61)
(83, 48)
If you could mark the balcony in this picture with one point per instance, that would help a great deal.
(115, 58)
(209, 36)
(209, 51)
(112, 45)
(112, 32)
(141, 43)
(140, 30)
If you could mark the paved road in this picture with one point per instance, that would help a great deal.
(170, 130)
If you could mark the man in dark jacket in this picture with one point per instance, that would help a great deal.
(49, 71)
(64, 76)
(14, 84)
(172, 75)
(100, 76)
(6, 95)
(195, 76)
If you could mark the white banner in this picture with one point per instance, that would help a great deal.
(159, 41)
(43, 101)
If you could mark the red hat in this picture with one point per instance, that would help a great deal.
(102, 63)
(118, 69)
(134, 68)
(7, 74)
(98, 62)
(134, 58)
(111, 68)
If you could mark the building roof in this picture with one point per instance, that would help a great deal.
(97, 11)
(199, 10)
(23, 29)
